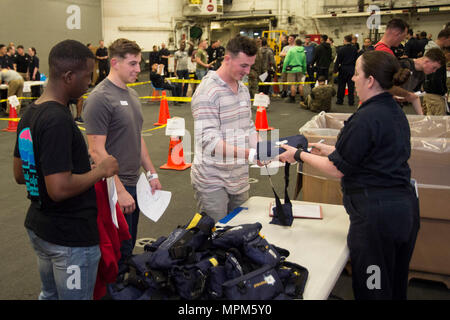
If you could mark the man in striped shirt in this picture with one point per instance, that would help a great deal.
(225, 136)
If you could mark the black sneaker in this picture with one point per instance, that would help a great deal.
(79, 120)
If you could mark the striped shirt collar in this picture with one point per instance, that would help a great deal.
(215, 77)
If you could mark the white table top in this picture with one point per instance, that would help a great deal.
(318, 245)
(26, 85)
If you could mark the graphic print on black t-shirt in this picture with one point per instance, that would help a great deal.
(28, 163)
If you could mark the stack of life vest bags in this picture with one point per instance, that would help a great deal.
(200, 261)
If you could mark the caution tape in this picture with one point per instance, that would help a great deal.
(148, 130)
(143, 131)
(175, 81)
(283, 83)
(179, 99)
(10, 119)
(20, 98)
(82, 128)
(134, 84)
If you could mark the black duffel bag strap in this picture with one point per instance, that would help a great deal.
(279, 213)
(286, 182)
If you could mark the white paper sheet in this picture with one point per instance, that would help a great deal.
(263, 76)
(419, 93)
(13, 101)
(112, 196)
(261, 100)
(151, 205)
(175, 127)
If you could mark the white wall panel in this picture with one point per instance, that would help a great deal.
(255, 5)
(43, 23)
(156, 14)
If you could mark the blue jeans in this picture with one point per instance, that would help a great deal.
(127, 246)
(200, 73)
(67, 273)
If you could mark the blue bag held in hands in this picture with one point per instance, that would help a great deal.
(269, 149)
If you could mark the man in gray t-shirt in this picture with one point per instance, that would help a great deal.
(116, 113)
(113, 119)
(181, 66)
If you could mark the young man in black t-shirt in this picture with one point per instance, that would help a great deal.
(51, 158)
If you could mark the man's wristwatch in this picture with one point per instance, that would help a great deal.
(151, 176)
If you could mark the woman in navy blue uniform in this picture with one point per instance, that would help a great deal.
(371, 158)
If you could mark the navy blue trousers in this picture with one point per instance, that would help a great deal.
(382, 235)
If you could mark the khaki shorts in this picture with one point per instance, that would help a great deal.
(434, 105)
(15, 88)
(217, 204)
(294, 77)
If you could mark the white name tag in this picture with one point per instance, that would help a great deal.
(243, 103)
(123, 103)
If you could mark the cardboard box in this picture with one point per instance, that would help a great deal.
(431, 253)
(430, 166)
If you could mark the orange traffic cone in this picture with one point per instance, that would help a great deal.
(12, 124)
(261, 120)
(163, 111)
(175, 160)
(346, 90)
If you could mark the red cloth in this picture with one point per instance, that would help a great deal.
(381, 46)
(110, 240)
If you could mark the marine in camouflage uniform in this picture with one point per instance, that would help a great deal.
(320, 98)
(253, 76)
(255, 70)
